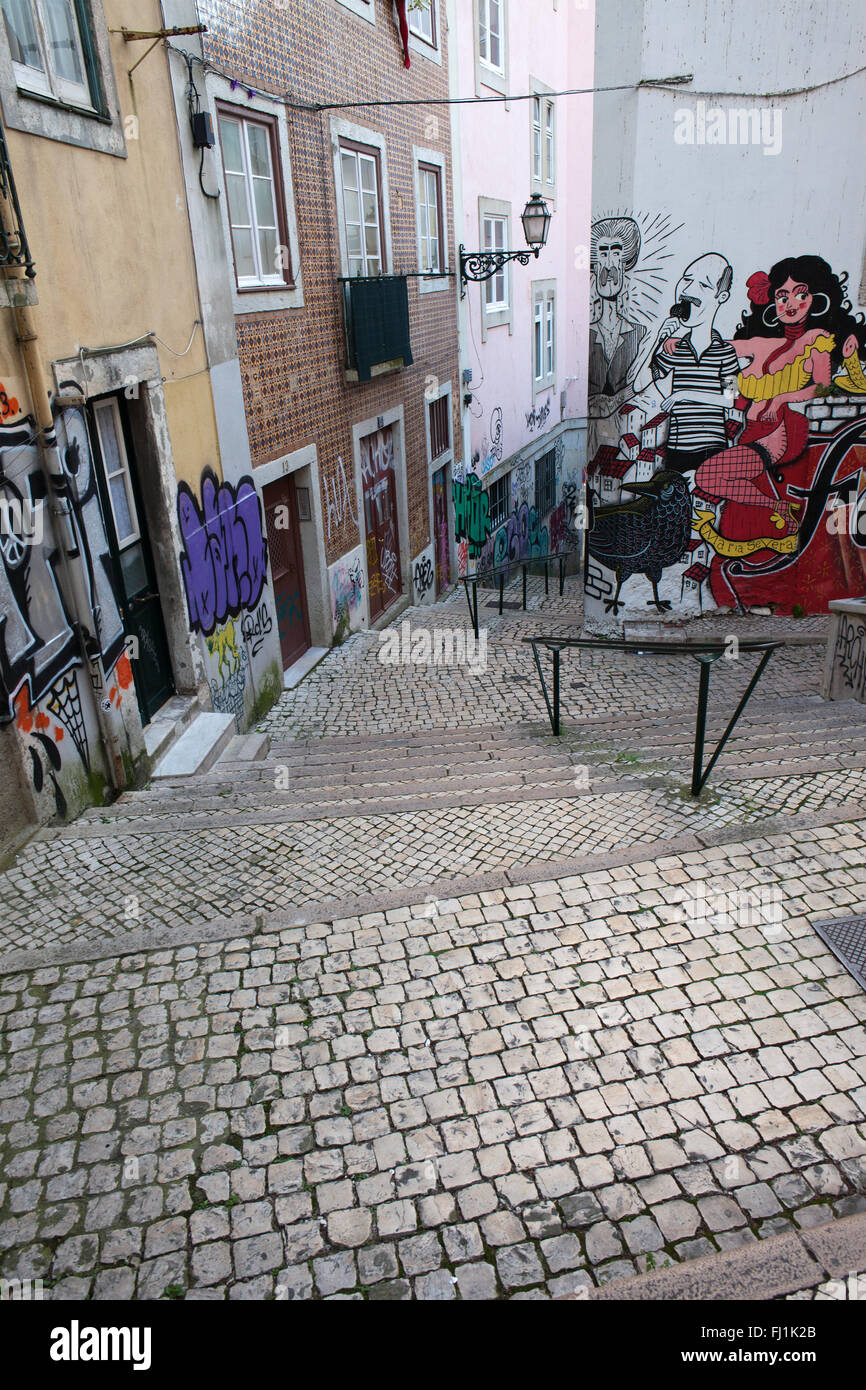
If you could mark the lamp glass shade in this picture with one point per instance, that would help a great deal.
(536, 221)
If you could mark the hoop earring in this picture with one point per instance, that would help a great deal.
(775, 323)
(820, 314)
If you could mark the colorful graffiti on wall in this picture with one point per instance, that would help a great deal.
(347, 592)
(471, 514)
(762, 437)
(521, 537)
(40, 652)
(224, 561)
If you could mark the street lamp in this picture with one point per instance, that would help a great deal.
(483, 265)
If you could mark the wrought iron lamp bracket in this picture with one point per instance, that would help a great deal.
(483, 265)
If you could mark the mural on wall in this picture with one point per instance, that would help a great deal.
(521, 537)
(346, 579)
(224, 560)
(768, 430)
(471, 514)
(40, 652)
(627, 267)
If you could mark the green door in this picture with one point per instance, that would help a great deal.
(132, 560)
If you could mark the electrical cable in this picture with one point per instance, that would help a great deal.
(675, 83)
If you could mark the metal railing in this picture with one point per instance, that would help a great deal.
(500, 571)
(14, 249)
(705, 653)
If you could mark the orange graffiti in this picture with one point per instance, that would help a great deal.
(124, 672)
(8, 404)
(23, 712)
(42, 721)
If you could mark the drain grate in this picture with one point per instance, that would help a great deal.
(515, 605)
(846, 937)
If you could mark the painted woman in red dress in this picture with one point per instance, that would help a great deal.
(799, 334)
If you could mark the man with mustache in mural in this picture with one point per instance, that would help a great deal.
(614, 339)
(698, 364)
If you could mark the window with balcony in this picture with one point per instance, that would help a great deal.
(360, 174)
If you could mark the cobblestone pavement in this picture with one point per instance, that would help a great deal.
(511, 1094)
(606, 1039)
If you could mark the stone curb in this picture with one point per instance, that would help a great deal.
(771, 1268)
(334, 909)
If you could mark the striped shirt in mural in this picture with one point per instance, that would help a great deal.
(697, 425)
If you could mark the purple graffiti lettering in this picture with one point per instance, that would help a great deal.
(224, 561)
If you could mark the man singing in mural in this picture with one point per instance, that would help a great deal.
(799, 337)
(699, 366)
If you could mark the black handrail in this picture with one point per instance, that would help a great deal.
(500, 571)
(705, 653)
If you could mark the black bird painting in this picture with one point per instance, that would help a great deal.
(645, 535)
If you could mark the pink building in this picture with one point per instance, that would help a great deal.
(524, 331)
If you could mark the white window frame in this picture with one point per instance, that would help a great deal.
(542, 132)
(497, 313)
(361, 135)
(544, 318)
(364, 9)
(46, 82)
(437, 160)
(363, 159)
(418, 43)
(260, 279)
(486, 74)
(110, 407)
(280, 295)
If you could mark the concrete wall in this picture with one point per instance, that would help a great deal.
(726, 164)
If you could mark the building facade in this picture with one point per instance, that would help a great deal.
(524, 330)
(329, 253)
(728, 218)
(117, 562)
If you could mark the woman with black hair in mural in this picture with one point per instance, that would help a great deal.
(800, 335)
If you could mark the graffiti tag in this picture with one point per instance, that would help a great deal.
(224, 561)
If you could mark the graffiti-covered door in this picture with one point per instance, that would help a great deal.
(132, 560)
(441, 543)
(380, 516)
(284, 545)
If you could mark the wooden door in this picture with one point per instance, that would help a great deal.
(287, 567)
(384, 578)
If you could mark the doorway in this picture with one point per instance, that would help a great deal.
(131, 557)
(441, 542)
(287, 568)
(384, 577)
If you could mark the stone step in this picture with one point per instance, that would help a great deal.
(243, 749)
(197, 749)
(169, 723)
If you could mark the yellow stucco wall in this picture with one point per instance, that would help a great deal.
(111, 242)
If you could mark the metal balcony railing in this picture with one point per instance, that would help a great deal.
(14, 250)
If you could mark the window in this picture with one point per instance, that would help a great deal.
(545, 483)
(422, 22)
(543, 336)
(255, 200)
(362, 208)
(499, 500)
(439, 412)
(50, 45)
(495, 238)
(543, 115)
(491, 44)
(430, 229)
(121, 496)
